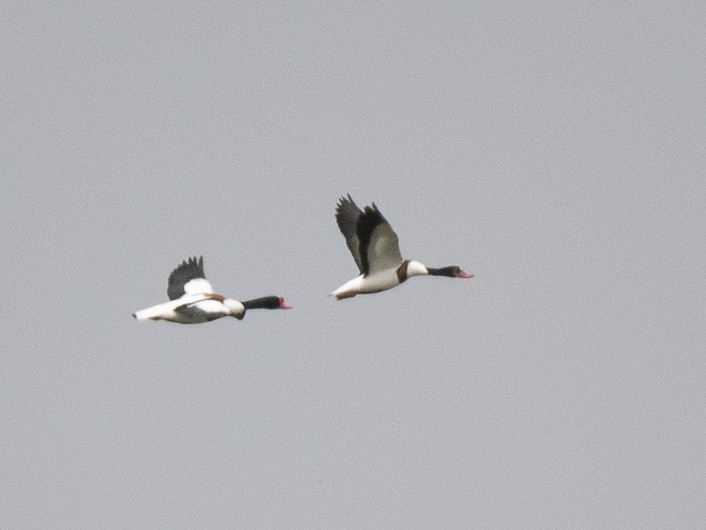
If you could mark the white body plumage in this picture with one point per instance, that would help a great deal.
(379, 281)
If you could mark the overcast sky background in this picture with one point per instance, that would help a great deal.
(555, 150)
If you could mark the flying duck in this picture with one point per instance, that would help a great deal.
(376, 251)
(192, 300)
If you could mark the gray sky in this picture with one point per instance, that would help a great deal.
(555, 150)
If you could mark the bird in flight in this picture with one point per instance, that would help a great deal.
(192, 300)
(376, 251)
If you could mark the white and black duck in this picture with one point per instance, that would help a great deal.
(192, 300)
(376, 251)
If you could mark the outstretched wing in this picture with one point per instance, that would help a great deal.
(347, 215)
(379, 245)
(188, 278)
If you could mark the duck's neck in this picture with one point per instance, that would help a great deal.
(410, 268)
(266, 302)
(451, 272)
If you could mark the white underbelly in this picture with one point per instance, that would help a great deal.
(373, 283)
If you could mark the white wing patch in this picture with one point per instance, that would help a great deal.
(198, 286)
(383, 249)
